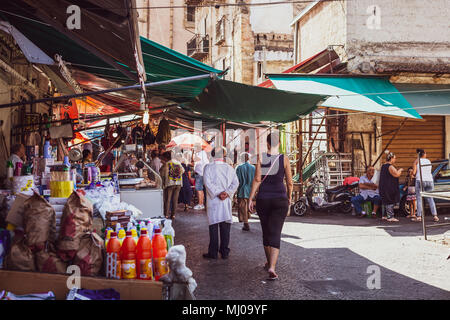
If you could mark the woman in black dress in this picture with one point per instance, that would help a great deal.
(389, 186)
(186, 190)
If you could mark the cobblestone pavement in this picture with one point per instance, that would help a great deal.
(323, 256)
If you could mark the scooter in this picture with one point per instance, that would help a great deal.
(334, 199)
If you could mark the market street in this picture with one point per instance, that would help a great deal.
(325, 256)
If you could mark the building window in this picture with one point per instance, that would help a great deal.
(190, 15)
(259, 68)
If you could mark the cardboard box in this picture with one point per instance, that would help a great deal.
(22, 282)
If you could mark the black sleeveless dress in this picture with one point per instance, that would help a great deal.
(389, 186)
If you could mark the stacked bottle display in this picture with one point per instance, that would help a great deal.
(143, 257)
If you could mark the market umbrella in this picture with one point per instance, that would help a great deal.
(189, 141)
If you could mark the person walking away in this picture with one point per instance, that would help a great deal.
(200, 160)
(368, 192)
(221, 183)
(428, 185)
(389, 187)
(171, 175)
(245, 173)
(410, 188)
(273, 200)
(186, 189)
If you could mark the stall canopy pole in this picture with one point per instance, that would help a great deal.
(92, 93)
(421, 198)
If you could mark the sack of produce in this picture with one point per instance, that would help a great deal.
(39, 223)
(90, 255)
(20, 257)
(75, 222)
(48, 261)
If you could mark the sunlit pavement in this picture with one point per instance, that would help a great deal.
(323, 256)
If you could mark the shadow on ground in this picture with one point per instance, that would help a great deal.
(305, 273)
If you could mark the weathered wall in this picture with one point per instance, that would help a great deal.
(406, 35)
(271, 18)
(323, 25)
(159, 24)
(364, 123)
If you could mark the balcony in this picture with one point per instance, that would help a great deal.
(198, 47)
(220, 31)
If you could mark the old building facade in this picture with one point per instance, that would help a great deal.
(248, 39)
(168, 22)
(406, 40)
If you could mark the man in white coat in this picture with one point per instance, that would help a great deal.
(221, 183)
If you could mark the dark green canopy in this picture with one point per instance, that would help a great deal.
(243, 103)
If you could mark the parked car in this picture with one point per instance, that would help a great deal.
(441, 176)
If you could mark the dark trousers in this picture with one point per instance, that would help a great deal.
(272, 213)
(213, 248)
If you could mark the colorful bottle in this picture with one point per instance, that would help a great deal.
(47, 150)
(144, 257)
(150, 229)
(108, 236)
(9, 172)
(159, 254)
(121, 234)
(18, 170)
(113, 258)
(134, 234)
(168, 233)
(128, 253)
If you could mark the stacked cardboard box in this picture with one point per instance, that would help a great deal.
(119, 216)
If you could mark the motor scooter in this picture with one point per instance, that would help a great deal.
(334, 199)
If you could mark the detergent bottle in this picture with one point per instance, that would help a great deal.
(113, 259)
(168, 233)
(128, 252)
(108, 236)
(121, 234)
(159, 254)
(144, 257)
(134, 234)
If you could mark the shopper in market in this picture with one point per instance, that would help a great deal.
(428, 184)
(186, 189)
(17, 154)
(368, 192)
(155, 163)
(389, 186)
(273, 199)
(171, 175)
(245, 173)
(200, 159)
(87, 156)
(221, 183)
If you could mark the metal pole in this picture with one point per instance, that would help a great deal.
(93, 93)
(421, 200)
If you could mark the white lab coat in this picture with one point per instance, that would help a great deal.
(219, 176)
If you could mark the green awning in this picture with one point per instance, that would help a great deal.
(243, 103)
(92, 73)
(353, 93)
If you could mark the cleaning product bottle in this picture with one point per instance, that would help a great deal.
(47, 150)
(108, 236)
(150, 230)
(9, 171)
(168, 233)
(159, 254)
(128, 253)
(113, 257)
(144, 257)
(134, 234)
(121, 234)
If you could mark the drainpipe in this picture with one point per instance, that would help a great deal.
(171, 24)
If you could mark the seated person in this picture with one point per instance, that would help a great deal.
(368, 192)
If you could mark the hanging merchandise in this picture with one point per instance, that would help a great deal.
(149, 137)
(122, 132)
(137, 133)
(163, 136)
(105, 141)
